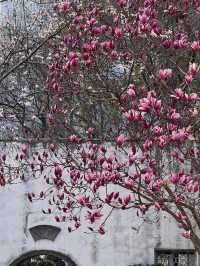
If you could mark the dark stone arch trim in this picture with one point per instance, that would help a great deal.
(40, 232)
(43, 252)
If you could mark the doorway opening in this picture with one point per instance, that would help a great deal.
(175, 257)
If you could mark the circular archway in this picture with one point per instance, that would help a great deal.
(43, 258)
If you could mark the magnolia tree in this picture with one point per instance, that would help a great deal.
(124, 88)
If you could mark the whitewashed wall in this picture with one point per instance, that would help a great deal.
(121, 246)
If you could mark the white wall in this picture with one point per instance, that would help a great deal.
(120, 246)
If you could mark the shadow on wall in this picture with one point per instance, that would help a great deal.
(43, 258)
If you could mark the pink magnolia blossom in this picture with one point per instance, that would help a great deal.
(74, 62)
(73, 138)
(145, 104)
(127, 199)
(83, 201)
(102, 148)
(64, 7)
(148, 144)
(193, 97)
(148, 177)
(121, 3)
(143, 18)
(129, 183)
(157, 185)
(117, 32)
(179, 93)
(131, 92)
(180, 216)
(193, 69)
(165, 73)
(157, 130)
(58, 170)
(179, 136)
(101, 230)
(133, 115)
(106, 46)
(109, 197)
(197, 177)
(86, 47)
(77, 19)
(56, 87)
(175, 178)
(167, 44)
(157, 30)
(90, 130)
(150, 103)
(114, 54)
(95, 30)
(116, 195)
(131, 159)
(196, 46)
(120, 140)
(188, 78)
(187, 234)
(104, 28)
(157, 206)
(94, 215)
(180, 44)
(175, 116)
(144, 27)
(90, 178)
(195, 187)
(185, 179)
(24, 148)
(92, 22)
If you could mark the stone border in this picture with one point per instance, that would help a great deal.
(45, 252)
